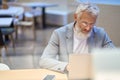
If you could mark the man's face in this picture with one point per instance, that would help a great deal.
(85, 22)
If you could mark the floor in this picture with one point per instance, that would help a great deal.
(28, 50)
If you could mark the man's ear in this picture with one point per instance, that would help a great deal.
(75, 17)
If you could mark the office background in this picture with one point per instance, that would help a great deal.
(29, 51)
(109, 17)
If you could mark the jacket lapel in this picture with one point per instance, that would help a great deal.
(69, 38)
(91, 41)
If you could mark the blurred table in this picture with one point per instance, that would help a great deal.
(5, 22)
(12, 11)
(8, 12)
(30, 74)
(43, 6)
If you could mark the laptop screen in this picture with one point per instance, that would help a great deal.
(80, 67)
(101, 64)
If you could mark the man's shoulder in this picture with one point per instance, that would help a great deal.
(99, 32)
(98, 29)
(65, 28)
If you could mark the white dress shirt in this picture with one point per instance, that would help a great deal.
(80, 42)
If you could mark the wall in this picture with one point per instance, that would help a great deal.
(109, 18)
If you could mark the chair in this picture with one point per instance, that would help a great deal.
(7, 34)
(28, 21)
(37, 13)
(2, 44)
(3, 47)
(4, 67)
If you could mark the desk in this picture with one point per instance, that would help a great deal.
(5, 22)
(43, 6)
(8, 12)
(12, 11)
(29, 74)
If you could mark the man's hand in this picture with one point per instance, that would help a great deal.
(68, 67)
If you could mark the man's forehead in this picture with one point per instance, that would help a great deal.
(87, 13)
(88, 16)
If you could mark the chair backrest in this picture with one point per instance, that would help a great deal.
(4, 67)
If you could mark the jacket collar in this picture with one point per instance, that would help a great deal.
(91, 40)
(69, 37)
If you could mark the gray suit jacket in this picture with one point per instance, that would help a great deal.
(55, 55)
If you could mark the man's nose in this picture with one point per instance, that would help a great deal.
(87, 28)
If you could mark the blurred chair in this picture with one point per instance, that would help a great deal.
(7, 34)
(17, 17)
(37, 15)
(2, 45)
(8, 37)
(28, 21)
(4, 67)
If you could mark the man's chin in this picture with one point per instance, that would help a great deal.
(85, 32)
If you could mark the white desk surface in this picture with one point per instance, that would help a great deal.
(12, 11)
(30, 74)
(7, 12)
(5, 22)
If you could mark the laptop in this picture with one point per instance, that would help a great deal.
(106, 64)
(80, 67)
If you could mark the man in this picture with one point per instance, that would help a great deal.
(81, 36)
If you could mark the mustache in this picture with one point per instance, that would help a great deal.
(79, 30)
(82, 33)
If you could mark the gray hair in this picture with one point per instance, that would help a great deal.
(87, 7)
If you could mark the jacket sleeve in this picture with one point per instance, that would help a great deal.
(49, 59)
(107, 42)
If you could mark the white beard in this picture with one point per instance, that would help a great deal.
(79, 34)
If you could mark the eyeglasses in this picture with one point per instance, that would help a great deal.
(85, 24)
